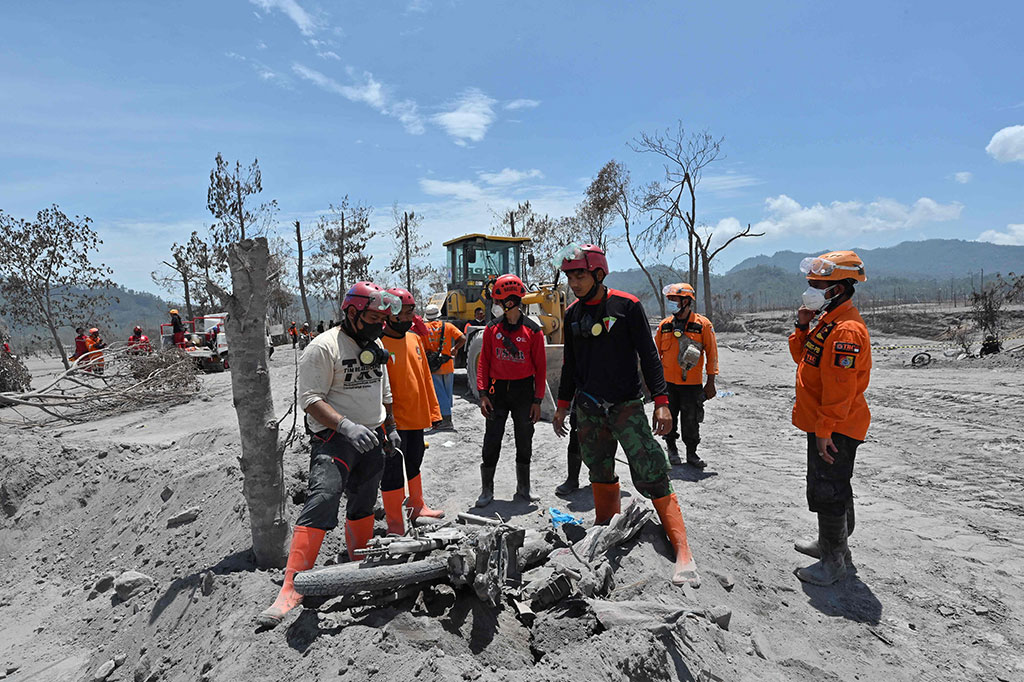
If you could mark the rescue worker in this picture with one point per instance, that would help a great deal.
(344, 390)
(293, 332)
(94, 352)
(479, 320)
(606, 334)
(684, 340)
(138, 342)
(81, 343)
(177, 329)
(211, 337)
(415, 408)
(833, 368)
(320, 327)
(444, 341)
(511, 377)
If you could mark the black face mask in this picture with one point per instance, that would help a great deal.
(398, 326)
(369, 332)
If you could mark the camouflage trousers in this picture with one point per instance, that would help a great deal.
(622, 424)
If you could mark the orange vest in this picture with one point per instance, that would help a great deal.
(697, 329)
(451, 335)
(414, 403)
(833, 368)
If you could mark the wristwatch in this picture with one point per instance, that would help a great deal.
(538, 401)
(803, 327)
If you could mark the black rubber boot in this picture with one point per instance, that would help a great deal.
(523, 483)
(810, 547)
(673, 452)
(486, 486)
(692, 458)
(831, 568)
(572, 479)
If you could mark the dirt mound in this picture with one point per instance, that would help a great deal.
(127, 550)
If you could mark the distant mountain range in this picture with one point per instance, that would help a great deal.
(931, 258)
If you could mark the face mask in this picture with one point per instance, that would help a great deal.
(370, 332)
(815, 299)
(683, 305)
(497, 310)
(399, 327)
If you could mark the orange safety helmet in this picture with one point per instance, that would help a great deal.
(174, 311)
(834, 266)
(94, 330)
(679, 290)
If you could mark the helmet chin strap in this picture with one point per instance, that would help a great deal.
(593, 291)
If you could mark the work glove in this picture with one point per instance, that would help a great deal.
(362, 438)
(393, 444)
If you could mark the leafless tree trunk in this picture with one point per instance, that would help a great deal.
(302, 280)
(262, 452)
(707, 255)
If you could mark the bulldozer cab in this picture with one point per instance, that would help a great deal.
(475, 260)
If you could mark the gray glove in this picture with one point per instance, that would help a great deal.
(393, 444)
(362, 438)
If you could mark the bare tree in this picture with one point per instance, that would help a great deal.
(341, 258)
(300, 272)
(409, 250)
(262, 460)
(183, 278)
(703, 244)
(231, 200)
(46, 274)
(685, 156)
(611, 190)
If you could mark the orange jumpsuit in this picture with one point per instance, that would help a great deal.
(833, 368)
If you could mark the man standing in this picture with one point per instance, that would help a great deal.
(138, 343)
(293, 332)
(479, 320)
(93, 359)
(177, 329)
(415, 408)
(81, 343)
(511, 378)
(833, 369)
(443, 342)
(606, 334)
(684, 340)
(345, 393)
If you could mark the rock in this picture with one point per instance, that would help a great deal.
(206, 586)
(105, 582)
(183, 517)
(166, 493)
(719, 615)
(119, 660)
(946, 611)
(142, 669)
(131, 583)
(760, 645)
(104, 671)
(981, 610)
(724, 579)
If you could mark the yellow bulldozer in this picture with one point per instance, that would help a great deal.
(474, 262)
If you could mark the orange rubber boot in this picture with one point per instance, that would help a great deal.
(419, 507)
(301, 557)
(358, 534)
(394, 513)
(672, 520)
(606, 502)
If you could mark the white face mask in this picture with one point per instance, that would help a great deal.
(497, 310)
(814, 299)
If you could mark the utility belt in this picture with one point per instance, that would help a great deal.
(593, 406)
(510, 384)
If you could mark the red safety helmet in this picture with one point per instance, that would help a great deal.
(368, 296)
(507, 285)
(589, 257)
(403, 295)
(138, 329)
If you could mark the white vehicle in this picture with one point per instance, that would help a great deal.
(205, 340)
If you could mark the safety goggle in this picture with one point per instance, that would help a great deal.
(382, 301)
(823, 267)
(569, 252)
(674, 290)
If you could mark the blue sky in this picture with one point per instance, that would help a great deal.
(845, 124)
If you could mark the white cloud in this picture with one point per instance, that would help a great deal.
(522, 104)
(329, 54)
(261, 69)
(787, 216)
(418, 6)
(1007, 144)
(728, 183)
(1014, 235)
(963, 177)
(471, 117)
(306, 23)
(462, 189)
(509, 176)
(370, 92)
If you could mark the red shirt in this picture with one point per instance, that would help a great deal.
(513, 352)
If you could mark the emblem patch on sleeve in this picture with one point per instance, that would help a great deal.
(845, 361)
(844, 347)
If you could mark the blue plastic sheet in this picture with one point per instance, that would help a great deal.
(559, 517)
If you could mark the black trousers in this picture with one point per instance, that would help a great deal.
(509, 397)
(686, 403)
(412, 449)
(829, 488)
(335, 466)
